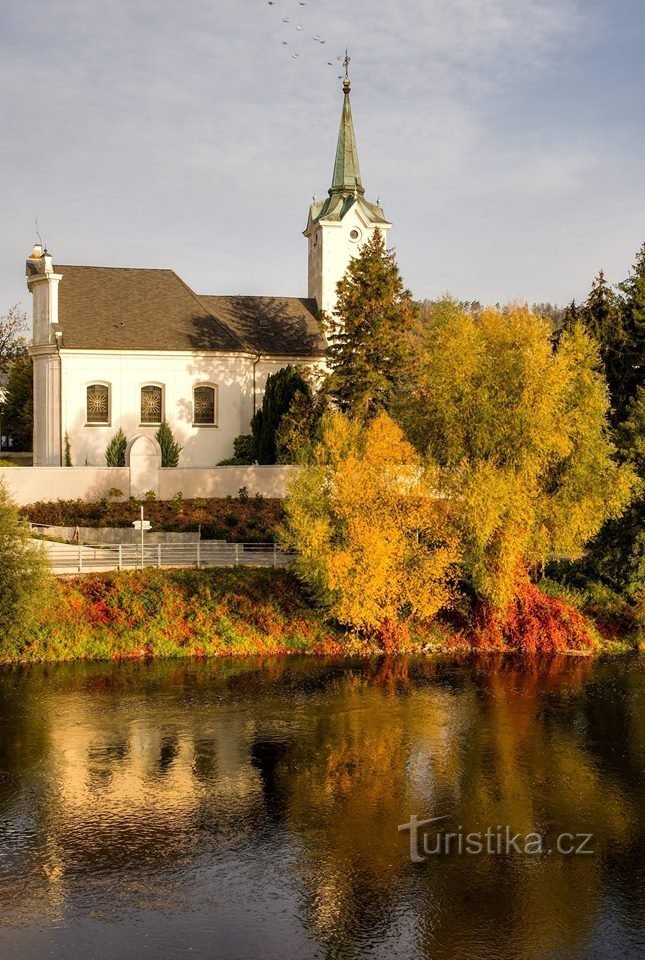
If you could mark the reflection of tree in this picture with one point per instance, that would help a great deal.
(142, 770)
(500, 749)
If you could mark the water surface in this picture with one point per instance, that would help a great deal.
(251, 809)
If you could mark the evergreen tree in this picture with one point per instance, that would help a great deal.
(170, 449)
(633, 316)
(602, 317)
(280, 391)
(372, 339)
(617, 555)
(115, 450)
(18, 413)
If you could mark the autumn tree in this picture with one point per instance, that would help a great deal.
(371, 335)
(24, 574)
(13, 327)
(373, 546)
(519, 434)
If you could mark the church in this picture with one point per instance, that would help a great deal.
(122, 347)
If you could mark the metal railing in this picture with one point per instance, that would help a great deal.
(91, 558)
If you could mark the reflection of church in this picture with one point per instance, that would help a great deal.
(120, 347)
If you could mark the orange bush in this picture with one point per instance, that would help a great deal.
(533, 623)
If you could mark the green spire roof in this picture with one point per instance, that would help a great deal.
(347, 172)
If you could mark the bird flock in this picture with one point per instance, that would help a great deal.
(298, 39)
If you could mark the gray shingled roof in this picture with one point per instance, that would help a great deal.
(123, 308)
(284, 326)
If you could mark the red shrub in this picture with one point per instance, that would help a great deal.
(533, 623)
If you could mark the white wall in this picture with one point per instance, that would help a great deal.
(28, 484)
(225, 481)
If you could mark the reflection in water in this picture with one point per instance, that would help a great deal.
(252, 808)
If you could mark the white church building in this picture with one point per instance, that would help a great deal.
(122, 347)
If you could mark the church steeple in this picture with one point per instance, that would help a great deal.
(339, 225)
(347, 172)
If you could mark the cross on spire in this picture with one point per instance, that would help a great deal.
(347, 82)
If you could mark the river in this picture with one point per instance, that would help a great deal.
(263, 809)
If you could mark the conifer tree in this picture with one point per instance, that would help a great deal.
(373, 334)
(633, 310)
(18, 413)
(280, 391)
(115, 450)
(170, 449)
(602, 317)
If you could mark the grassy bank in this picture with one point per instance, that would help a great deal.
(182, 613)
(176, 613)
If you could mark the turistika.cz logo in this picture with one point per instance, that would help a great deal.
(430, 838)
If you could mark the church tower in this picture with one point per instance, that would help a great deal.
(341, 224)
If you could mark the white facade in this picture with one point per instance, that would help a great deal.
(177, 374)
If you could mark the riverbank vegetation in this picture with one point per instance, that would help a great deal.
(175, 613)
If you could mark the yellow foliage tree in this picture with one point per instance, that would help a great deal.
(376, 549)
(519, 432)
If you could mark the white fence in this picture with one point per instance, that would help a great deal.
(84, 558)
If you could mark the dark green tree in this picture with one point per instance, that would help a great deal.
(115, 450)
(372, 335)
(300, 427)
(633, 311)
(602, 316)
(281, 388)
(617, 555)
(18, 411)
(170, 449)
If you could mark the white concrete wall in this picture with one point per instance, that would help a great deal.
(29, 484)
(224, 481)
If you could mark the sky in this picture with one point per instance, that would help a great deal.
(505, 138)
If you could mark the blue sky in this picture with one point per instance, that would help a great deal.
(504, 137)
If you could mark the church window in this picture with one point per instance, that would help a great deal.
(151, 404)
(205, 406)
(354, 234)
(98, 403)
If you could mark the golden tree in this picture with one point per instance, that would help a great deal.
(519, 431)
(375, 547)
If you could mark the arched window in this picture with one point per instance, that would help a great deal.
(151, 403)
(205, 405)
(98, 403)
